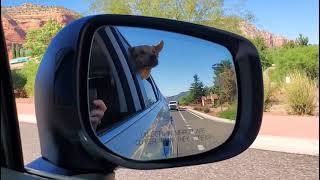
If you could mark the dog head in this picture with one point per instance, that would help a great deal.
(145, 57)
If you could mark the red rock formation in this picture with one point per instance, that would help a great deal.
(18, 19)
(272, 40)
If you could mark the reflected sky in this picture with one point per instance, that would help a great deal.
(181, 58)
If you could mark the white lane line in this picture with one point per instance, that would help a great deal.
(195, 138)
(192, 132)
(182, 117)
(189, 128)
(195, 115)
(200, 147)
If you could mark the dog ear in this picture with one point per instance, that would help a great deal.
(159, 46)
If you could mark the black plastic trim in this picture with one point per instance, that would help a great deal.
(10, 132)
(66, 137)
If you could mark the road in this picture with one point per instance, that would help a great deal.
(252, 164)
(197, 134)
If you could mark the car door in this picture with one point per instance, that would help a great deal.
(11, 151)
(149, 132)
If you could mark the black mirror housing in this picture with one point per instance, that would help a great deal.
(66, 137)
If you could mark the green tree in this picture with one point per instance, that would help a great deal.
(224, 81)
(37, 40)
(111, 6)
(302, 40)
(196, 89)
(262, 48)
(207, 90)
(186, 100)
(205, 12)
(13, 51)
(219, 67)
(18, 51)
(290, 44)
(22, 52)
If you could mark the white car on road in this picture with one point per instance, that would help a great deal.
(173, 105)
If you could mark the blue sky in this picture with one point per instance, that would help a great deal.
(181, 57)
(284, 17)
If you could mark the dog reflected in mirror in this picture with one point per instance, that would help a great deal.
(145, 57)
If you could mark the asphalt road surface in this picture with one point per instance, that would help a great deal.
(195, 134)
(252, 164)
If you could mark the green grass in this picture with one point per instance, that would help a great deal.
(230, 113)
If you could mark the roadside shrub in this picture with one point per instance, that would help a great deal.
(301, 93)
(300, 58)
(185, 100)
(206, 110)
(29, 72)
(270, 91)
(197, 108)
(230, 113)
(215, 105)
(19, 81)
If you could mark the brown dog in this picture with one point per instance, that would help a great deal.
(145, 58)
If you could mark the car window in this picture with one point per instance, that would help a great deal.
(124, 45)
(150, 96)
(108, 81)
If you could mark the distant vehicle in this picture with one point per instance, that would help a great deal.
(173, 105)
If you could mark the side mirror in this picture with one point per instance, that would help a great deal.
(146, 93)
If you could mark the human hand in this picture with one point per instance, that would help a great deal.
(97, 113)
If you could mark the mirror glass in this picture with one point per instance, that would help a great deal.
(156, 94)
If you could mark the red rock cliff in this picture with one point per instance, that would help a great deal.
(18, 19)
(272, 40)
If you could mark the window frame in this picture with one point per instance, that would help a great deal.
(122, 75)
(120, 70)
(11, 147)
(137, 80)
(153, 90)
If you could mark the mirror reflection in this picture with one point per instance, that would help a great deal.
(156, 94)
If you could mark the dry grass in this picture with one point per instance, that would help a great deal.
(300, 94)
(270, 92)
